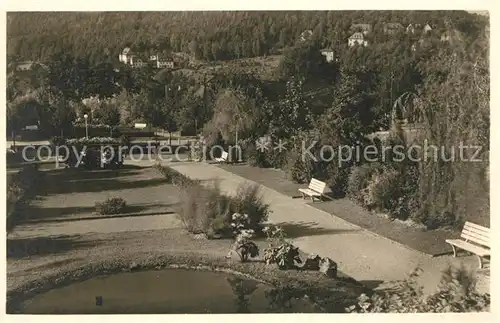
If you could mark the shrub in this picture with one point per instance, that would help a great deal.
(286, 256)
(115, 205)
(248, 200)
(124, 140)
(22, 187)
(408, 204)
(244, 246)
(253, 156)
(276, 158)
(239, 222)
(58, 141)
(336, 178)
(188, 208)
(196, 151)
(279, 251)
(207, 210)
(93, 140)
(300, 170)
(383, 191)
(456, 293)
(174, 177)
(167, 172)
(359, 179)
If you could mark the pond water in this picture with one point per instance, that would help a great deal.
(166, 291)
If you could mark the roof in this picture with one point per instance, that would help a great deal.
(357, 35)
(364, 27)
(326, 50)
(25, 65)
(126, 51)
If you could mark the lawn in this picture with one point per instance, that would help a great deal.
(59, 261)
(41, 262)
(71, 193)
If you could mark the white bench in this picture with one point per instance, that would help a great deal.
(475, 239)
(222, 158)
(315, 190)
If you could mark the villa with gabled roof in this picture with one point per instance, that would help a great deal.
(357, 39)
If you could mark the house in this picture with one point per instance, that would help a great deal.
(411, 28)
(451, 35)
(329, 54)
(427, 28)
(364, 28)
(126, 56)
(158, 63)
(138, 63)
(357, 39)
(23, 66)
(305, 35)
(164, 64)
(392, 28)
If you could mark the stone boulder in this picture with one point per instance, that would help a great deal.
(311, 263)
(328, 267)
(133, 266)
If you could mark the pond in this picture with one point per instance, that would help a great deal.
(169, 291)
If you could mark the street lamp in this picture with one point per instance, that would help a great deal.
(86, 116)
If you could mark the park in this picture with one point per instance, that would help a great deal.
(283, 166)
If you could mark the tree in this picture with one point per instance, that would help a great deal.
(57, 111)
(76, 78)
(232, 113)
(190, 112)
(291, 114)
(62, 115)
(169, 122)
(350, 118)
(109, 114)
(305, 61)
(13, 119)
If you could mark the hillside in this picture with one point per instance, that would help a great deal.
(100, 36)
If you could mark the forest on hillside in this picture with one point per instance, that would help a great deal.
(219, 35)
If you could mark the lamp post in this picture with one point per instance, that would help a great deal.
(86, 116)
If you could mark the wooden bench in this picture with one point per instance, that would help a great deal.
(474, 239)
(316, 189)
(222, 158)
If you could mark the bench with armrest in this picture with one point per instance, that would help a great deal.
(474, 239)
(223, 158)
(316, 189)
